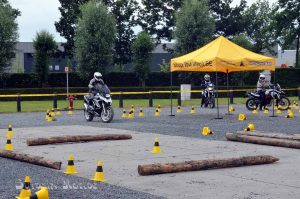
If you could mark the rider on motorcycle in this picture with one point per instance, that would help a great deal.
(93, 84)
(204, 85)
(262, 84)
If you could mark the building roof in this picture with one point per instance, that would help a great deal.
(27, 47)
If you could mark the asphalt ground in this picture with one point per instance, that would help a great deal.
(183, 124)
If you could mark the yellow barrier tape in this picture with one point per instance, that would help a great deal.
(133, 93)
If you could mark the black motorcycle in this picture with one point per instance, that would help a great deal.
(209, 95)
(100, 105)
(274, 93)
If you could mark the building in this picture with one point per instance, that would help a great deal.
(24, 59)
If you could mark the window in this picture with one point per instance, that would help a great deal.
(56, 67)
(50, 67)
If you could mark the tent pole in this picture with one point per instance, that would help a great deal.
(228, 113)
(171, 80)
(217, 96)
(273, 114)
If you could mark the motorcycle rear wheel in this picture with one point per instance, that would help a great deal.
(285, 103)
(250, 103)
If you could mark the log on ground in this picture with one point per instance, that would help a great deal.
(271, 135)
(263, 140)
(37, 160)
(76, 138)
(153, 169)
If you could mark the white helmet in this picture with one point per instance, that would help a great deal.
(207, 77)
(262, 77)
(97, 76)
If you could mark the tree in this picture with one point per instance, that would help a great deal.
(259, 29)
(94, 40)
(45, 47)
(142, 47)
(8, 34)
(194, 26)
(288, 24)
(243, 41)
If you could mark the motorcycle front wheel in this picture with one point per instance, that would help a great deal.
(285, 103)
(212, 103)
(108, 116)
(88, 116)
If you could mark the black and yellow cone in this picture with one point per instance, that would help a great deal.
(43, 193)
(206, 131)
(193, 111)
(255, 110)
(242, 117)
(70, 112)
(141, 113)
(124, 114)
(47, 116)
(157, 113)
(52, 113)
(178, 109)
(99, 175)
(57, 112)
(131, 114)
(156, 147)
(70, 167)
(290, 114)
(132, 108)
(25, 191)
(158, 107)
(250, 127)
(50, 119)
(9, 146)
(10, 132)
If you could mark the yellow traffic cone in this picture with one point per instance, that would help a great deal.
(250, 127)
(290, 114)
(70, 167)
(52, 112)
(131, 114)
(231, 109)
(193, 111)
(141, 113)
(10, 132)
(46, 116)
(158, 107)
(124, 115)
(206, 131)
(157, 113)
(278, 111)
(25, 191)
(254, 111)
(178, 109)
(242, 117)
(58, 112)
(156, 147)
(9, 146)
(70, 112)
(43, 193)
(132, 108)
(50, 119)
(266, 111)
(99, 175)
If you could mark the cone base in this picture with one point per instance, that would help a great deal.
(71, 172)
(97, 180)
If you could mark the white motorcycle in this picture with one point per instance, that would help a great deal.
(99, 106)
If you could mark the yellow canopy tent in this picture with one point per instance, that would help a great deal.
(222, 55)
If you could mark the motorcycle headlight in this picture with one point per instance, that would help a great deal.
(107, 95)
(210, 89)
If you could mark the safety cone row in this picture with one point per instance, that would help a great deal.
(207, 131)
(156, 148)
(250, 127)
(26, 190)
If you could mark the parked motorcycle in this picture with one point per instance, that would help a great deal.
(209, 95)
(274, 93)
(99, 106)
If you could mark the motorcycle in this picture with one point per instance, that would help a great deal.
(99, 106)
(209, 96)
(274, 93)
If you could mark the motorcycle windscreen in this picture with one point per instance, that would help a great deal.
(103, 89)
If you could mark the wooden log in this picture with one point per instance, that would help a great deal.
(263, 140)
(271, 135)
(76, 138)
(153, 169)
(37, 160)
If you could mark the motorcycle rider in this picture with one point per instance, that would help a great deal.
(262, 84)
(93, 84)
(204, 85)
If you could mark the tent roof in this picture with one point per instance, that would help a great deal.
(222, 55)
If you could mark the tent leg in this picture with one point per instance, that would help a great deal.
(217, 97)
(273, 111)
(171, 80)
(228, 113)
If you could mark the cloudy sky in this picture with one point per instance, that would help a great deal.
(41, 14)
